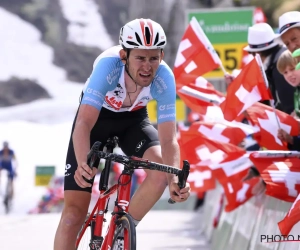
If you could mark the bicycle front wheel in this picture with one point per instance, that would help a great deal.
(125, 234)
(85, 240)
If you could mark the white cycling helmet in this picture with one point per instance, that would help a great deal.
(142, 34)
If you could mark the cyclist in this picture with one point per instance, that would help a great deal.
(113, 103)
(7, 156)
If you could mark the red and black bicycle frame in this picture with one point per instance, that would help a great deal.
(121, 206)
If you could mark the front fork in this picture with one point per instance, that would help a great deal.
(121, 207)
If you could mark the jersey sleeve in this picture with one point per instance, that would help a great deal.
(164, 92)
(104, 78)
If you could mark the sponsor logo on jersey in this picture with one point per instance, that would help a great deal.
(162, 107)
(112, 76)
(166, 116)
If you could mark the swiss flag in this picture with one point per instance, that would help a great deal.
(201, 178)
(265, 118)
(196, 56)
(227, 161)
(198, 98)
(259, 16)
(231, 170)
(291, 218)
(203, 151)
(246, 89)
(281, 175)
(224, 131)
(238, 192)
(203, 83)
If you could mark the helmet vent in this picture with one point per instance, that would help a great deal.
(132, 43)
(161, 44)
(156, 39)
(138, 38)
(148, 35)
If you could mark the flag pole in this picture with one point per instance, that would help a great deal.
(260, 64)
(222, 67)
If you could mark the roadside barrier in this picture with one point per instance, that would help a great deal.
(252, 226)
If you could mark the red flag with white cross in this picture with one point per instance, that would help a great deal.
(198, 98)
(281, 175)
(238, 192)
(227, 161)
(203, 150)
(265, 118)
(224, 131)
(246, 89)
(196, 55)
(291, 218)
(201, 178)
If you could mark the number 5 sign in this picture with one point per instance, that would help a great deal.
(227, 30)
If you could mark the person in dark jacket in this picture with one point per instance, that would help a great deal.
(289, 31)
(263, 40)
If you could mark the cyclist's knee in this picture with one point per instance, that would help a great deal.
(159, 178)
(73, 216)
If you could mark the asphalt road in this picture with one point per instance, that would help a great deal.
(159, 230)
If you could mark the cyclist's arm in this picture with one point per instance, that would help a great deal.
(14, 158)
(86, 119)
(169, 146)
(96, 88)
(165, 94)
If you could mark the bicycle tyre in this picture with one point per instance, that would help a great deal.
(84, 243)
(124, 223)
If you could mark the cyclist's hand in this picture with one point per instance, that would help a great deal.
(179, 195)
(84, 170)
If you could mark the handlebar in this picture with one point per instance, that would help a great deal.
(133, 162)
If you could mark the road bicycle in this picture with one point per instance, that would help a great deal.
(121, 233)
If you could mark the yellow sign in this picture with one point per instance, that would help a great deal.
(42, 180)
(43, 175)
(180, 111)
(231, 57)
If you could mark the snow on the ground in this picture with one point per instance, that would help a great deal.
(34, 145)
(86, 25)
(39, 131)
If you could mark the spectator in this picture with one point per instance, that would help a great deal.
(263, 40)
(289, 30)
(286, 66)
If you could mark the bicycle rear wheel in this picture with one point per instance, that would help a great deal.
(125, 234)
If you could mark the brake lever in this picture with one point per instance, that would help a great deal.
(182, 178)
(91, 157)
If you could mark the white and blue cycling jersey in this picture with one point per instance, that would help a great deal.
(106, 87)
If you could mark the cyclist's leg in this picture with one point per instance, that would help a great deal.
(151, 189)
(77, 199)
(76, 203)
(10, 180)
(142, 140)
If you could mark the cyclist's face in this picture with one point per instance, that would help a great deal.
(291, 39)
(143, 65)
